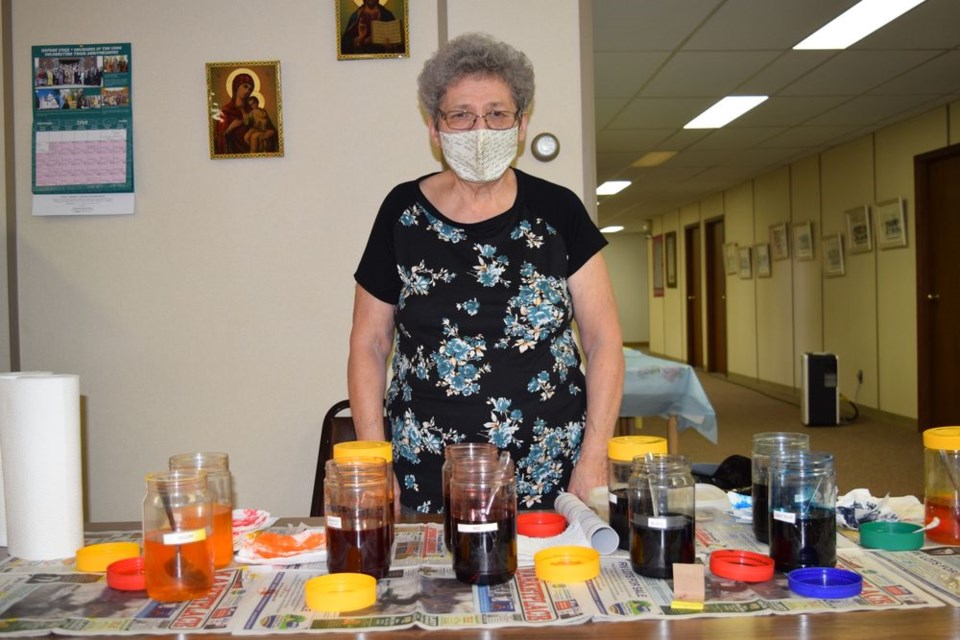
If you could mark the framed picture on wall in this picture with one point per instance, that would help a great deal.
(745, 261)
(859, 230)
(657, 266)
(762, 252)
(779, 241)
(730, 264)
(833, 255)
(244, 109)
(803, 240)
(372, 29)
(891, 224)
(670, 255)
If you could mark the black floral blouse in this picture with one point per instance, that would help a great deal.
(484, 348)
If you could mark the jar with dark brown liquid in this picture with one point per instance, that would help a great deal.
(358, 522)
(662, 512)
(483, 518)
(620, 454)
(451, 455)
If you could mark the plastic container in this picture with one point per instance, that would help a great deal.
(358, 521)
(373, 449)
(338, 592)
(891, 536)
(941, 461)
(220, 485)
(803, 511)
(662, 514)
(766, 446)
(177, 536)
(451, 454)
(483, 519)
(620, 454)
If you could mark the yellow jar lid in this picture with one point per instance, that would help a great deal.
(567, 564)
(97, 557)
(625, 448)
(942, 438)
(372, 448)
(340, 592)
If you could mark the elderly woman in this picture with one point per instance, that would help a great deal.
(478, 272)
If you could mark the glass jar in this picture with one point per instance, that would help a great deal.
(451, 454)
(662, 513)
(177, 536)
(355, 498)
(620, 454)
(803, 510)
(373, 449)
(941, 461)
(766, 446)
(220, 486)
(483, 518)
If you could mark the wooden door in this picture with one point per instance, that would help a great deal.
(937, 185)
(691, 249)
(716, 297)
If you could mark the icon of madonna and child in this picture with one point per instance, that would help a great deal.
(245, 110)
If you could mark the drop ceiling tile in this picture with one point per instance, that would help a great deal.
(854, 72)
(783, 70)
(867, 110)
(623, 25)
(691, 74)
(931, 25)
(659, 112)
(631, 140)
(785, 111)
(621, 74)
(939, 75)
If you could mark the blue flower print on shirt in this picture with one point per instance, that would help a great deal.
(425, 507)
(541, 384)
(565, 354)
(541, 470)
(444, 231)
(525, 230)
(410, 482)
(471, 306)
(410, 216)
(419, 280)
(489, 272)
(540, 307)
(504, 423)
(411, 437)
(456, 361)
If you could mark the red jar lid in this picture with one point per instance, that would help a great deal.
(541, 524)
(126, 575)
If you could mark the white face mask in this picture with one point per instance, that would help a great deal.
(480, 155)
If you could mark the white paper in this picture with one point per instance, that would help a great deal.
(42, 477)
(601, 535)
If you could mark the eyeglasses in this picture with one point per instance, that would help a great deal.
(464, 120)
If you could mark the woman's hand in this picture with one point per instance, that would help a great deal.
(589, 472)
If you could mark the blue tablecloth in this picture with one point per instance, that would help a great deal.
(653, 386)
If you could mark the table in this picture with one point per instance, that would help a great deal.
(653, 386)
(937, 622)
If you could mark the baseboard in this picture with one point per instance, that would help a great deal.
(792, 395)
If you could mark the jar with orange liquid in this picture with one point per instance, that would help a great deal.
(177, 541)
(220, 485)
(941, 457)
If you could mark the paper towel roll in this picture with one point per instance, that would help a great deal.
(601, 535)
(42, 478)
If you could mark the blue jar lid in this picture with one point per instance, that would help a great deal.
(824, 582)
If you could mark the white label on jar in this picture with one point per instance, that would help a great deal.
(482, 527)
(613, 497)
(334, 522)
(657, 523)
(785, 516)
(184, 537)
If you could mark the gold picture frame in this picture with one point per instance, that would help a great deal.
(244, 109)
(366, 31)
(859, 230)
(891, 224)
(833, 255)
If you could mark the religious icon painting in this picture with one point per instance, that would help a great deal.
(244, 109)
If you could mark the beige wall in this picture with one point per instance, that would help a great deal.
(217, 316)
(626, 258)
(867, 317)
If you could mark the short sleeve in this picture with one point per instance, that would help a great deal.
(377, 271)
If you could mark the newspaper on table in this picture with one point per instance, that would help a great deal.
(422, 591)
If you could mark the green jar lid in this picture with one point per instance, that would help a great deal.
(891, 536)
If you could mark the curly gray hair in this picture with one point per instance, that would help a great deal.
(475, 54)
